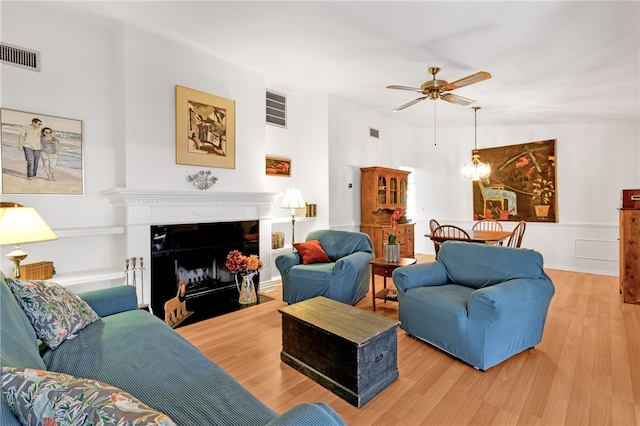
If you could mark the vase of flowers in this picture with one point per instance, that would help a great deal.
(392, 249)
(246, 267)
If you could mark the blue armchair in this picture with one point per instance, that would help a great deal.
(345, 278)
(478, 302)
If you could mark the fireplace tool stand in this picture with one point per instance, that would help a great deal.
(131, 271)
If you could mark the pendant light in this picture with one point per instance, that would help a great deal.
(476, 169)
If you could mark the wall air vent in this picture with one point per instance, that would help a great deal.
(19, 57)
(276, 109)
(374, 133)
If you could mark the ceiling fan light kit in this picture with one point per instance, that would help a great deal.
(476, 170)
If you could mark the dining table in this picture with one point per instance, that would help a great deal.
(477, 236)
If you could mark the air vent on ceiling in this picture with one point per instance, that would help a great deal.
(19, 57)
(374, 133)
(276, 109)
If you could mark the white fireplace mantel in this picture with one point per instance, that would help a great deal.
(146, 207)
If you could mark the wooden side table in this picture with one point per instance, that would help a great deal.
(383, 268)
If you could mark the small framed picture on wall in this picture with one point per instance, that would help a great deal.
(278, 166)
(41, 154)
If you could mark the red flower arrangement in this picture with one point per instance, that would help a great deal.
(395, 217)
(239, 263)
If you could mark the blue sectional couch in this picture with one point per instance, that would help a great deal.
(133, 350)
(345, 278)
(478, 302)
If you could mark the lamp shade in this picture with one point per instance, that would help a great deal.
(292, 199)
(23, 225)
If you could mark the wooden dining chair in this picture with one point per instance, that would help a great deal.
(487, 225)
(515, 240)
(433, 224)
(448, 232)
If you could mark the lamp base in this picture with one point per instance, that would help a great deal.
(17, 256)
(293, 229)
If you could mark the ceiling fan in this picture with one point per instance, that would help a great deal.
(434, 89)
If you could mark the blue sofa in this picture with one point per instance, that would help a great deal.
(135, 351)
(344, 279)
(478, 302)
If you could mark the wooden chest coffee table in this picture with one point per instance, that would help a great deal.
(351, 352)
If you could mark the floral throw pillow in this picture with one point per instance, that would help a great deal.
(47, 398)
(56, 313)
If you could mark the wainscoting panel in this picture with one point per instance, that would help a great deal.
(597, 249)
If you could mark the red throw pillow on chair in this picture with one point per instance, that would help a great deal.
(311, 252)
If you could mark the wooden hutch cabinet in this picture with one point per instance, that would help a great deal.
(630, 255)
(383, 190)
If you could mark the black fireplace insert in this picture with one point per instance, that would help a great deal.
(195, 254)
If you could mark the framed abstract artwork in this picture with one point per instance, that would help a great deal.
(278, 166)
(41, 154)
(522, 184)
(205, 129)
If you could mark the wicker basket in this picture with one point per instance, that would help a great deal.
(37, 271)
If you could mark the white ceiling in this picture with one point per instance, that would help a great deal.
(551, 62)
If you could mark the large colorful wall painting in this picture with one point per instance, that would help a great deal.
(522, 184)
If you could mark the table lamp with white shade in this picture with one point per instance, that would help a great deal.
(18, 225)
(293, 200)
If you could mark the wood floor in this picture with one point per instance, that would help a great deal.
(586, 370)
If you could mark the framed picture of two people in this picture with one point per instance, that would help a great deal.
(41, 154)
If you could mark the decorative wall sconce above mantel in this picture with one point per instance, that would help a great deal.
(203, 179)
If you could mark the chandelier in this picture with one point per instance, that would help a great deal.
(476, 169)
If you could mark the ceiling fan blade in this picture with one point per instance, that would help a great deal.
(413, 89)
(471, 79)
(458, 100)
(408, 104)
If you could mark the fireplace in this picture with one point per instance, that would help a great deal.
(143, 209)
(193, 256)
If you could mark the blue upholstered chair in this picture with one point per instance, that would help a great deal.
(345, 278)
(480, 303)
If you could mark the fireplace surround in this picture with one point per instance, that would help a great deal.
(140, 210)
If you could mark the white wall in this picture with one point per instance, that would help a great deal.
(313, 149)
(153, 67)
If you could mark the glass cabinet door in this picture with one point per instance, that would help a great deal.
(393, 191)
(382, 190)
